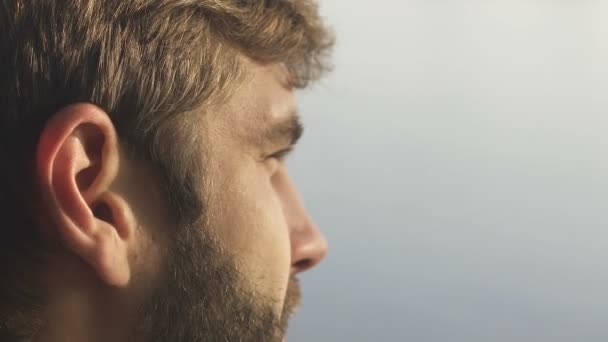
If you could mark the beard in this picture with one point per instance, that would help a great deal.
(204, 298)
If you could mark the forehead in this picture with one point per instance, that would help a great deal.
(264, 96)
(262, 99)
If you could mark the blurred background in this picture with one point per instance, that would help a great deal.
(457, 161)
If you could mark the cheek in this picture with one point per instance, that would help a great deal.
(252, 226)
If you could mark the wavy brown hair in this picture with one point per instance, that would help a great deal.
(153, 65)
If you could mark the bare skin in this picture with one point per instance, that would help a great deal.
(108, 220)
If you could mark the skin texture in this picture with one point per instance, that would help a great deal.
(121, 271)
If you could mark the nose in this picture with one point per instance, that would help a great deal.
(308, 245)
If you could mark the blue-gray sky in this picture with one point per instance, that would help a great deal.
(457, 161)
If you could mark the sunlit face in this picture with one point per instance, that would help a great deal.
(257, 209)
(255, 235)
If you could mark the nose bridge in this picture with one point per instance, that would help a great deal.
(308, 245)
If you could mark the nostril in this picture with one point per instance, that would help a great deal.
(303, 265)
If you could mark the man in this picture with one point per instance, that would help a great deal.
(143, 193)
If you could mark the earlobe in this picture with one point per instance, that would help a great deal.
(77, 162)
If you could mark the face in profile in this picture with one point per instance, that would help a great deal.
(147, 196)
(230, 274)
(233, 274)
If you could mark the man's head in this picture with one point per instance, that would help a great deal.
(143, 192)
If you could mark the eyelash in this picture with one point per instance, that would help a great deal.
(282, 154)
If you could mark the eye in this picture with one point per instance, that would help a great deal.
(274, 161)
(281, 155)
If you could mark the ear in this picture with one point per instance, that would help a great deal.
(77, 161)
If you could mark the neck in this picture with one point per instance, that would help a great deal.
(82, 308)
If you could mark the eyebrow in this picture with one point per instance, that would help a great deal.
(286, 131)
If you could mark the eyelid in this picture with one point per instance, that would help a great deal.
(282, 154)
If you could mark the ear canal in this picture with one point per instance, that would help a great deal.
(103, 212)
